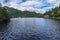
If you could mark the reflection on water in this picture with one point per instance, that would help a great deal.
(30, 29)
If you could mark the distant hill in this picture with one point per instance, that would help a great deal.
(19, 13)
(54, 13)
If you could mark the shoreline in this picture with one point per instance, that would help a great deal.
(36, 17)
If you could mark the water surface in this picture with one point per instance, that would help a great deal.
(30, 29)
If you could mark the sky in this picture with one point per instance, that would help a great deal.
(39, 6)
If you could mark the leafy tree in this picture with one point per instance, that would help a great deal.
(4, 14)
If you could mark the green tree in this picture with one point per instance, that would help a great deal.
(4, 14)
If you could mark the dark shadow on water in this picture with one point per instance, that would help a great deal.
(3, 25)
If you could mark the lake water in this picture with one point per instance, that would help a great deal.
(30, 29)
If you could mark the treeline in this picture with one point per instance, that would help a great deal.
(4, 13)
(54, 13)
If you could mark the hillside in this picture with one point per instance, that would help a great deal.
(19, 13)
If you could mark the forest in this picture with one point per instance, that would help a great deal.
(4, 13)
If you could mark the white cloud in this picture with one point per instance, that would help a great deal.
(32, 5)
(51, 1)
(1, 1)
(16, 1)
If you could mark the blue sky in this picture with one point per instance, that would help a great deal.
(39, 6)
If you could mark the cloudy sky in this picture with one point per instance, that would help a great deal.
(39, 6)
